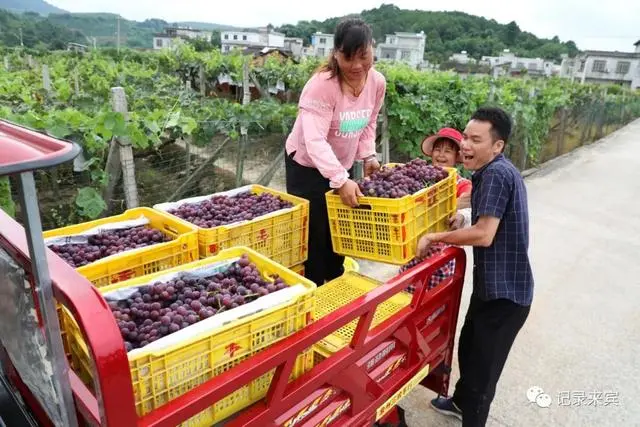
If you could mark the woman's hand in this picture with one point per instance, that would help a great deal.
(370, 166)
(456, 222)
(349, 193)
(464, 201)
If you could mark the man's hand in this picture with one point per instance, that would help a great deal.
(456, 222)
(424, 244)
(349, 193)
(370, 166)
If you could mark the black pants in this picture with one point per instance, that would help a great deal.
(487, 335)
(322, 264)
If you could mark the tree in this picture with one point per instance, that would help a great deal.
(511, 33)
(215, 38)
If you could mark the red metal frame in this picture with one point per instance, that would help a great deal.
(24, 149)
(113, 405)
(425, 330)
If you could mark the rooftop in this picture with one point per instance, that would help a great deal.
(405, 34)
(197, 30)
(611, 54)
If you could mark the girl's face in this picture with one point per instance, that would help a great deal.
(445, 153)
(357, 67)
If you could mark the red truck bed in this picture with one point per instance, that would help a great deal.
(354, 387)
(422, 333)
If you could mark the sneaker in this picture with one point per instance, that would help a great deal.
(446, 407)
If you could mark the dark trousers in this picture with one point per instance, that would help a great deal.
(322, 264)
(489, 330)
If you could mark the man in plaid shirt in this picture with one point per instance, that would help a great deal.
(502, 276)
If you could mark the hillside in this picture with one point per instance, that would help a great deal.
(58, 29)
(447, 33)
(40, 7)
(36, 31)
(104, 27)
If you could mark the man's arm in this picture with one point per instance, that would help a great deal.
(480, 234)
(492, 204)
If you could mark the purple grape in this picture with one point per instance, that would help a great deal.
(107, 243)
(160, 309)
(221, 210)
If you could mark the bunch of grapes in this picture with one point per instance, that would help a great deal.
(162, 308)
(108, 243)
(399, 181)
(221, 210)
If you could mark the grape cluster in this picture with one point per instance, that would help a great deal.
(162, 308)
(221, 210)
(108, 243)
(402, 180)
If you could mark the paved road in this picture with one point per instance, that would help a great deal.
(583, 333)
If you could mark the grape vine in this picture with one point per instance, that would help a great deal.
(165, 100)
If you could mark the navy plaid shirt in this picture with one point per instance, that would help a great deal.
(502, 270)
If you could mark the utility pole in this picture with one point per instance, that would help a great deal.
(21, 42)
(118, 35)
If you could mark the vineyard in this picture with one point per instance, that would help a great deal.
(187, 123)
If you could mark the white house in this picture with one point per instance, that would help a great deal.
(462, 58)
(322, 44)
(261, 37)
(508, 62)
(294, 45)
(173, 35)
(403, 47)
(596, 66)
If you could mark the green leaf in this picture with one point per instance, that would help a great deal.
(110, 121)
(6, 202)
(174, 119)
(90, 203)
(59, 130)
(152, 125)
(188, 125)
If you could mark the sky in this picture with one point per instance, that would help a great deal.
(592, 24)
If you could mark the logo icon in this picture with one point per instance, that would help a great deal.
(536, 395)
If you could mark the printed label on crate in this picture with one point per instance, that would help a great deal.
(83, 238)
(122, 276)
(307, 410)
(231, 349)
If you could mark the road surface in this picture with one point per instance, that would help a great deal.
(581, 342)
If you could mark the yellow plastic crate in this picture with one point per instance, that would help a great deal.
(281, 237)
(386, 230)
(163, 375)
(341, 291)
(349, 265)
(182, 249)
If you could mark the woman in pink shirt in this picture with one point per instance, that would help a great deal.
(336, 125)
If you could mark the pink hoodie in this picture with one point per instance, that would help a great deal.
(333, 129)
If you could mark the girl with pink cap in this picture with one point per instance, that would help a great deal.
(444, 149)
